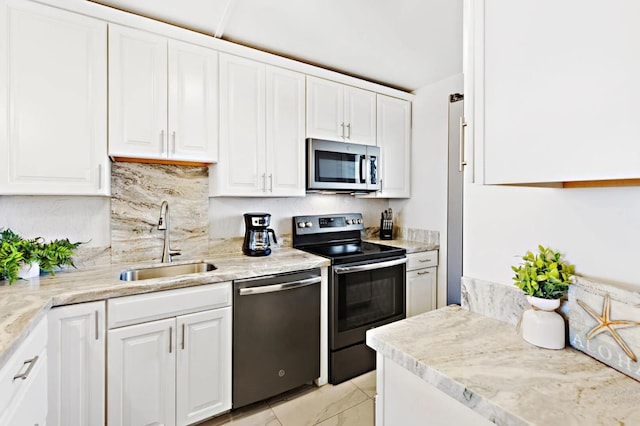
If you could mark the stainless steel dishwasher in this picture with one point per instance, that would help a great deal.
(276, 334)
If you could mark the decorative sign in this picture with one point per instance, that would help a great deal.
(604, 322)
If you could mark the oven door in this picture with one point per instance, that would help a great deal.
(365, 295)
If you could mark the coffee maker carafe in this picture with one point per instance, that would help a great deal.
(256, 236)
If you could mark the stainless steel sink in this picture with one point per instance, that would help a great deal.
(165, 271)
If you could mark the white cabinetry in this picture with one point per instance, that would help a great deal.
(77, 335)
(408, 400)
(53, 101)
(162, 98)
(552, 99)
(394, 140)
(421, 282)
(339, 112)
(176, 368)
(23, 381)
(261, 131)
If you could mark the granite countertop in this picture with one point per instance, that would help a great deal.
(26, 301)
(409, 246)
(484, 364)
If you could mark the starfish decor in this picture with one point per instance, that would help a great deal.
(605, 324)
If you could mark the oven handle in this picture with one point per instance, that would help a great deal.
(369, 267)
(279, 287)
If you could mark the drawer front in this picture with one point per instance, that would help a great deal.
(22, 361)
(122, 311)
(425, 259)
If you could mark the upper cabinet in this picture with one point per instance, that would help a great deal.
(340, 113)
(163, 98)
(553, 89)
(53, 101)
(261, 131)
(394, 140)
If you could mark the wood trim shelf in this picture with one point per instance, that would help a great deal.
(161, 161)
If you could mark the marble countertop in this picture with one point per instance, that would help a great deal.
(409, 246)
(26, 301)
(484, 364)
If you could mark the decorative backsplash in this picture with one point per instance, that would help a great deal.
(138, 191)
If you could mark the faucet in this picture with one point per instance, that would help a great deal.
(163, 225)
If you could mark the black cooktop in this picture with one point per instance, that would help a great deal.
(354, 251)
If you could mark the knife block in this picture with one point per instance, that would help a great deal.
(386, 229)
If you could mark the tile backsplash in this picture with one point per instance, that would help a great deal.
(138, 191)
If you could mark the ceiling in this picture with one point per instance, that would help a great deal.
(406, 44)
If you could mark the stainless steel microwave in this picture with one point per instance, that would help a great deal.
(342, 167)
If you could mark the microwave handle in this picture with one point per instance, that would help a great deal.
(363, 169)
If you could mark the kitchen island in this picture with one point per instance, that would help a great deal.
(478, 369)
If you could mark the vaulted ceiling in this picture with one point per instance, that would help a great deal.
(405, 44)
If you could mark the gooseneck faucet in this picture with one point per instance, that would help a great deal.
(164, 225)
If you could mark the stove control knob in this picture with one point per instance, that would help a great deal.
(348, 221)
(301, 224)
(309, 225)
(360, 221)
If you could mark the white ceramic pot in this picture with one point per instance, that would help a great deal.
(541, 325)
(30, 270)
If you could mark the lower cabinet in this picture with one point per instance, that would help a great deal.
(408, 400)
(421, 282)
(175, 370)
(23, 381)
(77, 364)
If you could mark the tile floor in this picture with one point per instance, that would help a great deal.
(348, 404)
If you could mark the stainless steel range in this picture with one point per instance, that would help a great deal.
(366, 287)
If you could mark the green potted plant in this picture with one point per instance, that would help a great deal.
(544, 275)
(544, 278)
(24, 258)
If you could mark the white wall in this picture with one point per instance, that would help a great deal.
(76, 218)
(226, 220)
(598, 229)
(427, 207)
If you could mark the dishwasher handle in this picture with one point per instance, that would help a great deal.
(368, 267)
(279, 287)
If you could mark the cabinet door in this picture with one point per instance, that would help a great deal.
(193, 102)
(360, 116)
(560, 104)
(77, 364)
(421, 291)
(52, 101)
(394, 140)
(141, 374)
(203, 365)
(241, 167)
(285, 145)
(137, 93)
(325, 109)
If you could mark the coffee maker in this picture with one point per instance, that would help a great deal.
(256, 235)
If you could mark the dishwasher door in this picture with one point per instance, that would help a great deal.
(276, 334)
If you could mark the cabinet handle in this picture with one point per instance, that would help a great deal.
(97, 329)
(99, 176)
(264, 182)
(349, 131)
(162, 142)
(31, 363)
(173, 136)
(463, 163)
(342, 124)
(423, 273)
(270, 182)
(424, 260)
(170, 339)
(183, 337)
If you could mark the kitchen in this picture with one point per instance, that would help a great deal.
(495, 216)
